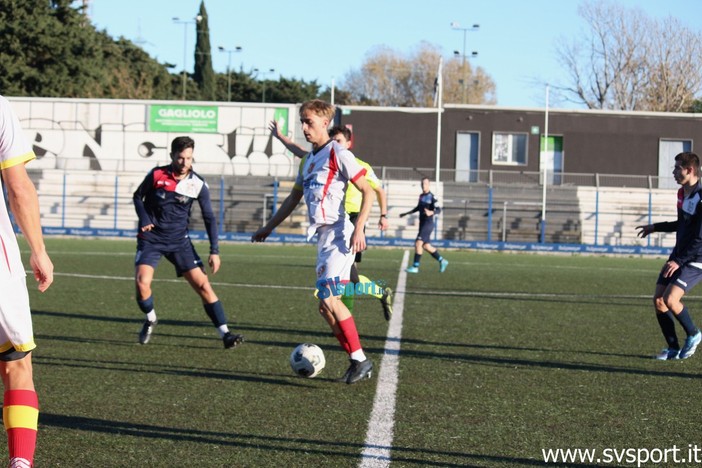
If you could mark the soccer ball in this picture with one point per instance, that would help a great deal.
(307, 360)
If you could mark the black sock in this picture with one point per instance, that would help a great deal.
(437, 256)
(417, 259)
(686, 321)
(668, 328)
(215, 312)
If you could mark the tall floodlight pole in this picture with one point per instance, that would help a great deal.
(545, 163)
(229, 68)
(438, 96)
(185, 24)
(262, 73)
(456, 26)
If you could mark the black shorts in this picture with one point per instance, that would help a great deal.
(183, 255)
(352, 217)
(684, 277)
(426, 229)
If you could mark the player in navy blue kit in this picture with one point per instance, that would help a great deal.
(683, 270)
(163, 203)
(427, 209)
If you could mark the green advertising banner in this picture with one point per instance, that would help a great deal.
(183, 119)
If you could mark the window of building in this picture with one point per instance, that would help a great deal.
(509, 148)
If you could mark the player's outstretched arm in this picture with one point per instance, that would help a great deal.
(285, 210)
(645, 230)
(413, 210)
(293, 147)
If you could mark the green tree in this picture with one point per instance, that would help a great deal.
(50, 49)
(341, 96)
(290, 90)
(204, 74)
(244, 87)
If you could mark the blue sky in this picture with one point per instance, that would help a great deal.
(323, 41)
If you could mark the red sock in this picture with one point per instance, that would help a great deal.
(20, 414)
(348, 328)
(342, 341)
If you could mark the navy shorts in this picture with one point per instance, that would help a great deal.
(684, 277)
(183, 256)
(426, 229)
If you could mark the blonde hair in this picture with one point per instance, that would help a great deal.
(318, 107)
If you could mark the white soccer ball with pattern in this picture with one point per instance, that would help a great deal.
(307, 360)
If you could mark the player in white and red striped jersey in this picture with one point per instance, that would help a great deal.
(322, 179)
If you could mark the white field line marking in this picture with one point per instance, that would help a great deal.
(474, 264)
(400, 292)
(378, 445)
(180, 280)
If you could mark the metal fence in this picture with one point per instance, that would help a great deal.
(506, 206)
(504, 177)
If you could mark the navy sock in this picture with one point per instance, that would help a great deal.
(147, 305)
(686, 321)
(215, 312)
(417, 259)
(667, 325)
(437, 256)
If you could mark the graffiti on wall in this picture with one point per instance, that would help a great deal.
(131, 136)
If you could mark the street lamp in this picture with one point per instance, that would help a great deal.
(270, 71)
(462, 81)
(229, 68)
(185, 24)
(456, 26)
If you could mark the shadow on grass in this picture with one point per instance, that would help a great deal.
(163, 369)
(494, 347)
(511, 362)
(137, 320)
(346, 450)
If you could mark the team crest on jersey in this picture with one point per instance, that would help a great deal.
(321, 271)
(190, 187)
(310, 167)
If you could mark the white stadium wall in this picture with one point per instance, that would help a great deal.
(129, 135)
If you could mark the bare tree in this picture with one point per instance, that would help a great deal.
(628, 61)
(387, 78)
(675, 74)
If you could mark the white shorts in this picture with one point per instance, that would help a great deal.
(334, 255)
(15, 316)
